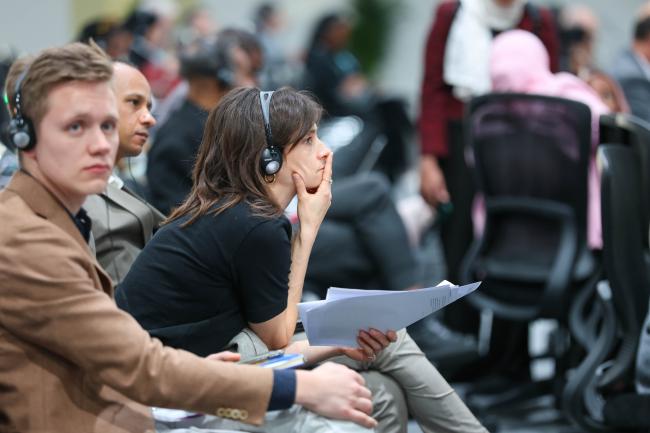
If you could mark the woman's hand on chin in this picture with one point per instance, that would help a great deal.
(312, 207)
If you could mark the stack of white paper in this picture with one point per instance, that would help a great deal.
(336, 321)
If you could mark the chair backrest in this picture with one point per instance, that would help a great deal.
(531, 156)
(623, 248)
(530, 148)
(633, 132)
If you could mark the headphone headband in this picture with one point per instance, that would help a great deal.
(271, 156)
(20, 129)
(18, 92)
(265, 100)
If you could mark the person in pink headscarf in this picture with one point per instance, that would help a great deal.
(520, 63)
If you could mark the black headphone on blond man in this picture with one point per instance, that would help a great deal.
(271, 156)
(20, 129)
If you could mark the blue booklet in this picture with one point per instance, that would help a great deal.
(291, 360)
(276, 359)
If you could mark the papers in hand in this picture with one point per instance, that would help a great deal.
(336, 321)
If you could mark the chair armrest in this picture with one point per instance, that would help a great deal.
(538, 207)
(583, 379)
(561, 270)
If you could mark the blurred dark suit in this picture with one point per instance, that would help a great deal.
(633, 74)
(122, 223)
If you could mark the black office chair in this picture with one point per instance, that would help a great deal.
(633, 132)
(531, 155)
(599, 394)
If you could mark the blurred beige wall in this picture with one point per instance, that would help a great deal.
(84, 10)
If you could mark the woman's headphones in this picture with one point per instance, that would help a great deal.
(20, 129)
(271, 156)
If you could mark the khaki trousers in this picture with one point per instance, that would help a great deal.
(430, 400)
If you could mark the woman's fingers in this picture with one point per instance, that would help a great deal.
(327, 172)
(375, 337)
(380, 337)
(375, 345)
(366, 348)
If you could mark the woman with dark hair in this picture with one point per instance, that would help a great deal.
(334, 73)
(335, 76)
(609, 91)
(226, 262)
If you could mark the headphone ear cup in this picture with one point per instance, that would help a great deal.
(271, 161)
(226, 77)
(21, 134)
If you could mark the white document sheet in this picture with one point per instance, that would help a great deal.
(336, 321)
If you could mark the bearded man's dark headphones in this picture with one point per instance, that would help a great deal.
(271, 156)
(21, 129)
(225, 72)
(210, 59)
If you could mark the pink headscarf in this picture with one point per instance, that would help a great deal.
(520, 63)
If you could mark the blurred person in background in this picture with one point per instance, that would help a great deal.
(211, 70)
(248, 59)
(632, 68)
(151, 27)
(279, 70)
(609, 91)
(578, 34)
(334, 74)
(111, 35)
(578, 30)
(197, 23)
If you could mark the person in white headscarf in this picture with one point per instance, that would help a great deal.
(471, 32)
